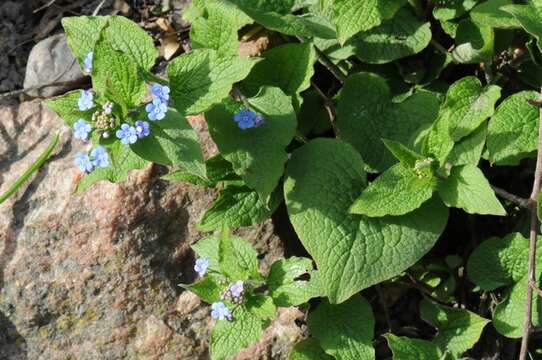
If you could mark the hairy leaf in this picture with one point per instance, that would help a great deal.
(404, 348)
(308, 349)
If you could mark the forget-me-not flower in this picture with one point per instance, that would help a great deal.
(87, 68)
(237, 289)
(142, 128)
(99, 156)
(245, 118)
(85, 101)
(201, 266)
(219, 311)
(82, 161)
(108, 108)
(156, 109)
(81, 129)
(160, 92)
(259, 120)
(127, 134)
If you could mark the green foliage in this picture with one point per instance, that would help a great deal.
(309, 349)
(404, 348)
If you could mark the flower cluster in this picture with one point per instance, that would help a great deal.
(157, 109)
(129, 134)
(247, 119)
(81, 129)
(98, 158)
(235, 293)
(201, 266)
(219, 311)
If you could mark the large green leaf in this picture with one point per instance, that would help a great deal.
(451, 9)
(237, 258)
(398, 191)
(529, 16)
(458, 329)
(352, 252)
(468, 189)
(403, 35)
(404, 348)
(82, 33)
(469, 149)
(172, 141)
(202, 78)
(366, 115)
(513, 130)
(490, 14)
(257, 154)
(344, 331)
(308, 349)
(474, 43)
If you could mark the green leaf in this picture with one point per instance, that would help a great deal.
(208, 248)
(402, 153)
(123, 159)
(229, 337)
(217, 169)
(172, 141)
(66, 107)
(115, 75)
(257, 154)
(529, 17)
(397, 191)
(262, 306)
(351, 252)
(208, 289)
(238, 259)
(308, 349)
(490, 14)
(344, 331)
(451, 9)
(513, 130)
(295, 62)
(236, 206)
(284, 283)
(468, 189)
(82, 33)
(277, 6)
(474, 43)
(458, 329)
(129, 38)
(202, 78)
(364, 120)
(404, 35)
(404, 348)
(469, 149)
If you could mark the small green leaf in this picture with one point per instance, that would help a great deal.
(344, 331)
(451, 9)
(364, 120)
(404, 348)
(208, 289)
(407, 157)
(217, 169)
(238, 259)
(468, 189)
(308, 349)
(257, 154)
(469, 149)
(66, 107)
(474, 43)
(285, 285)
(172, 141)
(513, 130)
(229, 337)
(404, 35)
(82, 33)
(208, 248)
(123, 159)
(397, 191)
(458, 329)
(202, 78)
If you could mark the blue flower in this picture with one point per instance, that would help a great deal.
(81, 129)
(245, 118)
(127, 134)
(157, 110)
(142, 128)
(237, 289)
(87, 69)
(160, 92)
(259, 121)
(100, 157)
(85, 101)
(82, 161)
(201, 266)
(220, 311)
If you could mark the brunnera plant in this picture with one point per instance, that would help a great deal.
(350, 122)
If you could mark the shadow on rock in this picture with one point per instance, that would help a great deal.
(12, 344)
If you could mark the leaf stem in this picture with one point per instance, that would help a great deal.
(527, 323)
(524, 203)
(31, 170)
(330, 107)
(327, 63)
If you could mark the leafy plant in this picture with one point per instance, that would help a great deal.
(374, 121)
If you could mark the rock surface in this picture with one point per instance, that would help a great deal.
(95, 276)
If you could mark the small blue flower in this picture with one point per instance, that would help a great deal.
(237, 289)
(220, 311)
(157, 110)
(81, 129)
(85, 101)
(142, 128)
(201, 266)
(127, 134)
(259, 121)
(245, 118)
(82, 161)
(100, 157)
(87, 69)
(160, 92)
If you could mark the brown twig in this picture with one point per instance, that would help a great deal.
(527, 323)
(39, 88)
(525, 203)
(536, 289)
(330, 107)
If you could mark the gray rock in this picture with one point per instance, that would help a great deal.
(51, 61)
